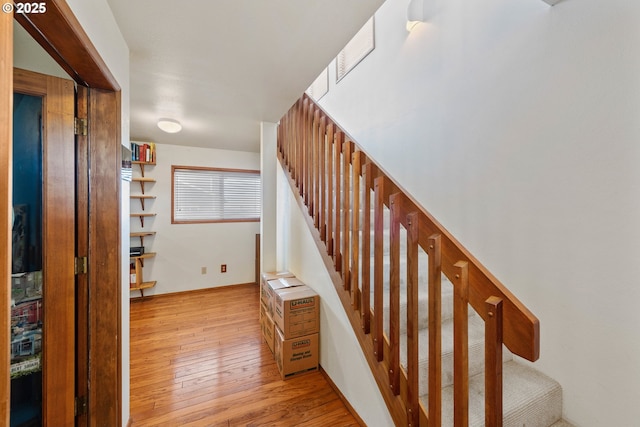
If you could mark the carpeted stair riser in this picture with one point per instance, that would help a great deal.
(476, 352)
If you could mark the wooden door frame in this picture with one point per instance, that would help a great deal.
(59, 33)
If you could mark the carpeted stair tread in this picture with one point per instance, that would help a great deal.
(530, 398)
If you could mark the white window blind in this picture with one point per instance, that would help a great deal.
(320, 85)
(356, 50)
(215, 195)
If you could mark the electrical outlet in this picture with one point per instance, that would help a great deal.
(204, 270)
(223, 268)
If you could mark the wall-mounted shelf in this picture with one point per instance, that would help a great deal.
(142, 235)
(142, 150)
(136, 283)
(142, 165)
(142, 181)
(142, 216)
(142, 198)
(142, 257)
(143, 286)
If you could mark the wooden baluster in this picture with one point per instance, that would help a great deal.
(293, 120)
(330, 187)
(303, 151)
(283, 138)
(337, 155)
(316, 169)
(308, 190)
(310, 156)
(279, 143)
(300, 148)
(356, 169)
(493, 362)
(303, 154)
(461, 345)
(378, 271)
(367, 178)
(395, 203)
(413, 386)
(346, 206)
(435, 330)
(296, 145)
(323, 178)
(286, 140)
(293, 123)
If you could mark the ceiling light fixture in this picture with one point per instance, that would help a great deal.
(169, 125)
(415, 14)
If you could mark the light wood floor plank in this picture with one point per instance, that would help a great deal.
(198, 359)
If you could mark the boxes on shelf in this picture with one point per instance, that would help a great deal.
(296, 311)
(268, 327)
(296, 356)
(265, 294)
(281, 283)
(136, 250)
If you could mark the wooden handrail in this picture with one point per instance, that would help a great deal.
(340, 185)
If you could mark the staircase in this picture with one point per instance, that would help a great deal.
(443, 337)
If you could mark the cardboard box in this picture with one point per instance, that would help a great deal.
(296, 311)
(268, 328)
(281, 283)
(272, 275)
(265, 294)
(296, 356)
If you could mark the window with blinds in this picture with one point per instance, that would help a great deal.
(214, 195)
(356, 50)
(320, 86)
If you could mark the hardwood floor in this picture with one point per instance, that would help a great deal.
(198, 359)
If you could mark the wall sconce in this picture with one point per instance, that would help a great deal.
(169, 125)
(415, 13)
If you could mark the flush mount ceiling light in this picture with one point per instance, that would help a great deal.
(415, 13)
(169, 125)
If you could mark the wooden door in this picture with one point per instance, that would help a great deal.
(61, 35)
(58, 242)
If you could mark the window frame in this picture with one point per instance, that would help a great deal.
(209, 169)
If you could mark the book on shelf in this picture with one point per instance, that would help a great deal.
(143, 151)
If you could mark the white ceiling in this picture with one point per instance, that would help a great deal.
(220, 67)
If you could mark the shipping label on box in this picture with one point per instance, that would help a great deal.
(296, 311)
(296, 356)
(268, 328)
(281, 283)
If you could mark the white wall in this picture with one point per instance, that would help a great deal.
(340, 353)
(183, 249)
(268, 169)
(517, 125)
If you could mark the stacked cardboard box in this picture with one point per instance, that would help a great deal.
(290, 321)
